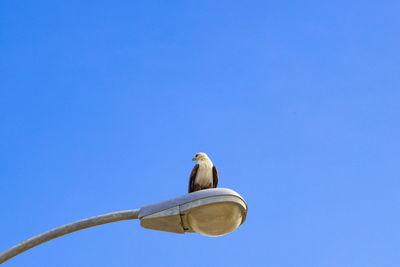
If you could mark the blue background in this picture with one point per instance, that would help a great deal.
(103, 105)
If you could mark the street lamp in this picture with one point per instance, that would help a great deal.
(210, 212)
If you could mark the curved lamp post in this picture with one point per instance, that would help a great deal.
(211, 212)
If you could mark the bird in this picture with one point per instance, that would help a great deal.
(204, 174)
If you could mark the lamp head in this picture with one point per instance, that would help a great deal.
(210, 212)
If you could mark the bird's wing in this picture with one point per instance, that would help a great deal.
(215, 177)
(192, 178)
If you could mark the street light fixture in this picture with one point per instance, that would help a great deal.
(210, 212)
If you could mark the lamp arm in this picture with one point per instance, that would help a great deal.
(67, 229)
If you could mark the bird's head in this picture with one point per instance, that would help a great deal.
(200, 157)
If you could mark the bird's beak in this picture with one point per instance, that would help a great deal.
(193, 159)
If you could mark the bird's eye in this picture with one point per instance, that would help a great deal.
(196, 155)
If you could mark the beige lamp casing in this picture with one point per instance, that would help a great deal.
(210, 212)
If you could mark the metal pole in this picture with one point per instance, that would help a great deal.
(67, 229)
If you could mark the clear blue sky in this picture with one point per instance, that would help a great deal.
(103, 106)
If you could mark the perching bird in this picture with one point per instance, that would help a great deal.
(204, 175)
